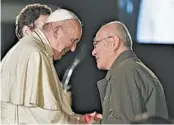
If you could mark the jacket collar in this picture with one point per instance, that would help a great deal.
(41, 36)
(123, 56)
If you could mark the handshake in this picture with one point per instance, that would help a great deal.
(90, 118)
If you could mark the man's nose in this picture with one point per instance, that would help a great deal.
(94, 52)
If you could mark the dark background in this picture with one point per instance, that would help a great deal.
(93, 14)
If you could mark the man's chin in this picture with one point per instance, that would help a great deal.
(98, 66)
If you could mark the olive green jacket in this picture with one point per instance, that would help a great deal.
(130, 89)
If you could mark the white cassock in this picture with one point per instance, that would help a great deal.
(30, 89)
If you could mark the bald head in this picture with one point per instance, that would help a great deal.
(116, 28)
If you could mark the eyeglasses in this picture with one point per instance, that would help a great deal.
(97, 41)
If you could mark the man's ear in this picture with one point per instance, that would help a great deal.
(26, 30)
(57, 31)
(115, 42)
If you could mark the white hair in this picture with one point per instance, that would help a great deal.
(123, 33)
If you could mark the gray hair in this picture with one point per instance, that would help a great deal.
(123, 33)
(28, 15)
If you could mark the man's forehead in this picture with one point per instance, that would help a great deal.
(72, 25)
(101, 33)
(77, 29)
(104, 31)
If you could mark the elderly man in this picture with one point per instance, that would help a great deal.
(129, 88)
(30, 88)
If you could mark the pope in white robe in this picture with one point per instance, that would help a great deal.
(31, 92)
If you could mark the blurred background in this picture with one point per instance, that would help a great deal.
(150, 22)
